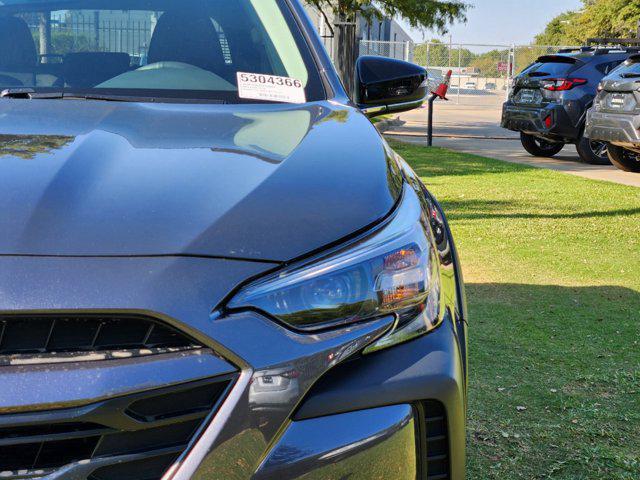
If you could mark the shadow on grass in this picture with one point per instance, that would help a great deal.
(484, 209)
(458, 167)
(554, 382)
(433, 162)
(590, 301)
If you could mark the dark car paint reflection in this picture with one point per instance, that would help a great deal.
(270, 135)
(120, 178)
(274, 389)
(29, 147)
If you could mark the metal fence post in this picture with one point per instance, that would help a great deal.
(406, 51)
(428, 55)
(45, 35)
(96, 29)
(459, 72)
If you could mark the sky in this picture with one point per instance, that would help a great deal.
(502, 22)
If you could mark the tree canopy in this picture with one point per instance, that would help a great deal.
(431, 14)
(598, 18)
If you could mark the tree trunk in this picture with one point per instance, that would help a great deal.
(45, 36)
(345, 48)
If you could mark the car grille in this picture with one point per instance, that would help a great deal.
(436, 441)
(54, 333)
(136, 435)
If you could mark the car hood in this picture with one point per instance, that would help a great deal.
(262, 182)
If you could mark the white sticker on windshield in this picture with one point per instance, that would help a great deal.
(257, 86)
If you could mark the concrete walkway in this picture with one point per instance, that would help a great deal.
(476, 130)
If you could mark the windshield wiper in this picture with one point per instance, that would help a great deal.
(29, 93)
(32, 94)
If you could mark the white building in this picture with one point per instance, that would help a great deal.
(369, 32)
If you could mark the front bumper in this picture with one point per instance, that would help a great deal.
(338, 446)
(616, 128)
(533, 121)
(380, 409)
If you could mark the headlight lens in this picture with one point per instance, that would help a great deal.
(394, 271)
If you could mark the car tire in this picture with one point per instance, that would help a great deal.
(539, 147)
(593, 153)
(624, 159)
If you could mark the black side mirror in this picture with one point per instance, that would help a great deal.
(385, 85)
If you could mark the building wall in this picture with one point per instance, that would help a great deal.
(398, 34)
(373, 29)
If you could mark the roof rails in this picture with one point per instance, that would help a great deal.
(576, 50)
(621, 49)
(604, 46)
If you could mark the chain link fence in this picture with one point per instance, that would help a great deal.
(481, 74)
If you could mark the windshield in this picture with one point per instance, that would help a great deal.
(219, 50)
(551, 68)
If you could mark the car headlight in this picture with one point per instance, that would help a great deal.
(392, 271)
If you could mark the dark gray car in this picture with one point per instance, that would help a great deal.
(212, 266)
(615, 115)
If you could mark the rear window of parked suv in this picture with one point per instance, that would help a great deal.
(552, 66)
(629, 69)
(153, 48)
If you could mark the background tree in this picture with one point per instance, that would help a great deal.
(426, 14)
(434, 53)
(487, 63)
(598, 18)
(556, 32)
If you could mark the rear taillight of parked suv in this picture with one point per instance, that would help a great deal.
(561, 84)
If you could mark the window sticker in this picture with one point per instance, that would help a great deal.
(257, 86)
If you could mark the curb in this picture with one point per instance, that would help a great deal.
(436, 135)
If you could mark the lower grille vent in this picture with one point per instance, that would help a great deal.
(175, 404)
(437, 441)
(149, 469)
(42, 334)
(133, 437)
(44, 455)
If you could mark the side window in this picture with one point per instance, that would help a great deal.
(606, 68)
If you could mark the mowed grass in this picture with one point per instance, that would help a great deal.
(552, 266)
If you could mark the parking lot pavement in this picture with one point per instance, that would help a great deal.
(476, 129)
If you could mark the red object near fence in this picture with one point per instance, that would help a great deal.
(441, 91)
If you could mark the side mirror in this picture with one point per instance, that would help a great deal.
(385, 85)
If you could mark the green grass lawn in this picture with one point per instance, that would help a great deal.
(552, 265)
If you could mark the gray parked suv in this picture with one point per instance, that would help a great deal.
(615, 115)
